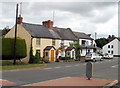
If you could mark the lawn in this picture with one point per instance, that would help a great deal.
(10, 67)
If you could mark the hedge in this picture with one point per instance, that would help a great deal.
(8, 48)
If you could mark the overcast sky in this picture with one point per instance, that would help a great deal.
(87, 17)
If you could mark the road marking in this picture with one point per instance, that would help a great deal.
(76, 65)
(115, 66)
(84, 64)
(67, 66)
(47, 68)
(57, 67)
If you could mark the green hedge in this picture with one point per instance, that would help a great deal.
(8, 48)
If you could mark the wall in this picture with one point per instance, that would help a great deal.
(87, 40)
(44, 42)
(21, 32)
(83, 53)
(115, 43)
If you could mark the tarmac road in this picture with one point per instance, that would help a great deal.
(107, 69)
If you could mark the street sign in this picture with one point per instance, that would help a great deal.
(89, 70)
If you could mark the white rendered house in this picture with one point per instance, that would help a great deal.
(112, 47)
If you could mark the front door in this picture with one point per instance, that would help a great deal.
(52, 55)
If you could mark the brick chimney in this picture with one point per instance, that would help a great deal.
(48, 24)
(19, 19)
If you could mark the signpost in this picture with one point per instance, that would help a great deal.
(89, 70)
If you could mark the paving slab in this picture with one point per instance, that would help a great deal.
(5, 82)
(74, 81)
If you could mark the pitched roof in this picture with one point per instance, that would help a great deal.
(65, 34)
(69, 48)
(87, 47)
(82, 35)
(118, 38)
(49, 48)
(41, 31)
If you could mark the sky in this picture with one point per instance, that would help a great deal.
(87, 17)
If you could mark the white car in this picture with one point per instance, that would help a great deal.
(93, 57)
(108, 56)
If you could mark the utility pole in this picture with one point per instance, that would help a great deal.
(95, 35)
(14, 51)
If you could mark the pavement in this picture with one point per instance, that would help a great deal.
(105, 72)
(5, 82)
(73, 82)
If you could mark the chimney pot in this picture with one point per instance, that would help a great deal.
(19, 19)
(48, 24)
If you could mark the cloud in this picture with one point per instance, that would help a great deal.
(88, 17)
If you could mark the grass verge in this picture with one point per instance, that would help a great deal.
(11, 67)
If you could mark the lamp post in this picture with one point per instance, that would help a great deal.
(14, 51)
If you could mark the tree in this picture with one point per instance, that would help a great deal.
(31, 60)
(37, 58)
(76, 45)
(34, 59)
(101, 42)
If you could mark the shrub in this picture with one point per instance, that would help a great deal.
(5, 63)
(31, 60)
(20, 63)
(36, 58)
(46, 60)
(65, 58)
(8, 48)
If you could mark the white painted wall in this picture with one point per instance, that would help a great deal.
(88, 42)
(66, 42)
(83, 51)
(116, 45)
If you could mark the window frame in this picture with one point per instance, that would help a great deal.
(38, 41)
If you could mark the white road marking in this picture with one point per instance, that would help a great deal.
(57, 67)
(84, 64)
(76, 65)
(67, 66)
(47, 68)
(115, 66)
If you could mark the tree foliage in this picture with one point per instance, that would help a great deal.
(76, 45)
(101, 42)
(8, 48)
(34, 59)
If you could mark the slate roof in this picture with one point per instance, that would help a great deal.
(88, 47)
(118, 38)
(49, 48)
(69, 48)
(65, 33)
(40, 31)
(82, 35)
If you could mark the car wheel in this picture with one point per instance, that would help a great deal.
(101, 59)
(94, 60)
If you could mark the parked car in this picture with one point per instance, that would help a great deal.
(93, 57)
(108, 56)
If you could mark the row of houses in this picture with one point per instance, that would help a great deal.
(48, 40)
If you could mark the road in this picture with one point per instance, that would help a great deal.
(107, 69)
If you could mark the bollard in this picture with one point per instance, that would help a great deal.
(89, 70)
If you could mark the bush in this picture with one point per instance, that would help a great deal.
(36, 58)
(6, 63)
(20, 63)
(65, 58)
(46, 60)
(8, 48)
